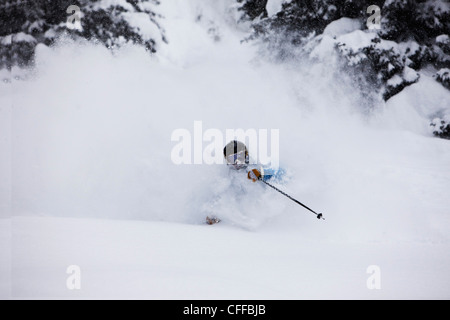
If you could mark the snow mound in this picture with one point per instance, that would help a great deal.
(342, 26)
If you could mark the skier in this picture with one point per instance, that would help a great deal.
(237, 158)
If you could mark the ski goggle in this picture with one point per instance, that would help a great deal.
(238, 157)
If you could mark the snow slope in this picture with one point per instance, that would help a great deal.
(160, 260)
(87, 179)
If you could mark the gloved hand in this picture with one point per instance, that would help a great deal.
(254, 175)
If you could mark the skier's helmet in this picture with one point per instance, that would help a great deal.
(236, 154)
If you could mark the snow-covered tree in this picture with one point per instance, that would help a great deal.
(410, 19)
(252, 9)
(441, 127)
(412, 35)
(25, 23)
(443, 76)
(298, 18)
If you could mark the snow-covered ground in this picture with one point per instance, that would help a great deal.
(159, 260)
(87, 177)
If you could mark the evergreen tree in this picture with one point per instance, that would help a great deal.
(25, 23)
(418, 31)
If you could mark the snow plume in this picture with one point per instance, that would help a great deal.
(92, 133)
(91, 138)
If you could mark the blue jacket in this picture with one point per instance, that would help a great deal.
(269, 173)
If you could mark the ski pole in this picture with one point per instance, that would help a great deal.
(319, 215)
